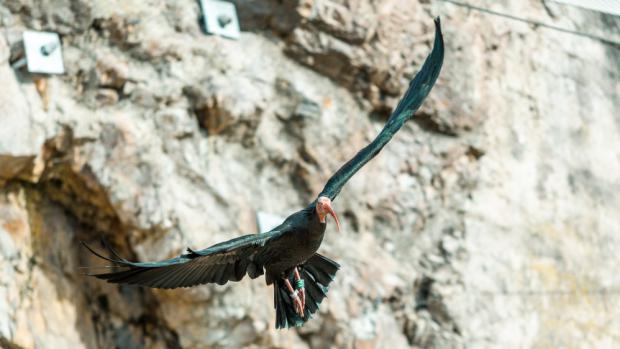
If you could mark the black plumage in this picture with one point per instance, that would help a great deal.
(290, 246)
(418, 89)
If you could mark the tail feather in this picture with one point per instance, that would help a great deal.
(318, 272)
(119, 261)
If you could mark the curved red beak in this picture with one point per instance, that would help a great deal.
(324, 206)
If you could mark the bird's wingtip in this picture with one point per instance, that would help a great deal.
(120, 260)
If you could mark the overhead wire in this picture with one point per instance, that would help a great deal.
(534, 22)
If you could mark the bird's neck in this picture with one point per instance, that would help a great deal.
(317, 228)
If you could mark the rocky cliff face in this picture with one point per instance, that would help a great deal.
(489, 221)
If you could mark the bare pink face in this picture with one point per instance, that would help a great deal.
(324, 207)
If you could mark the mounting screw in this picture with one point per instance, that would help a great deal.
(224, 20)
(47, 50)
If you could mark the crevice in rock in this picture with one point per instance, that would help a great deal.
(428, 122)
(120, 316)
(141, 330)
(140, 325)
(280, 17)
(118, 30)
(423, 293)
(475, 153)
(424, 317)
(74, 186)
(217, 114)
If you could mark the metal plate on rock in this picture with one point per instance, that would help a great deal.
(220, 18)
(43, 52)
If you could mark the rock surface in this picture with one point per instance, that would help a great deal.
(490, 221)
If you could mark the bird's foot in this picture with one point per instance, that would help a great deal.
(301, 293)
(298, 302)
(299, 306)
(299, 288)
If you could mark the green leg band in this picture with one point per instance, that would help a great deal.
(299, 284)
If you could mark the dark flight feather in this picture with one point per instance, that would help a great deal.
(220, 263)
(418, 89)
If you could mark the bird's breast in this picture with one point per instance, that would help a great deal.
(310, 240)
(297, 247)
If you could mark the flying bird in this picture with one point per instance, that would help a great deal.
(286, 255)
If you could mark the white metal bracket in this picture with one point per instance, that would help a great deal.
(220, 18)
(43, 53)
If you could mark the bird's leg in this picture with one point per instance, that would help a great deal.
(299, 309)
(299, 287)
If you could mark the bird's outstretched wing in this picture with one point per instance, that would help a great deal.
(418, 89)
(227, 261)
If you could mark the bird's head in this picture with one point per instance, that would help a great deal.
(323, 207)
